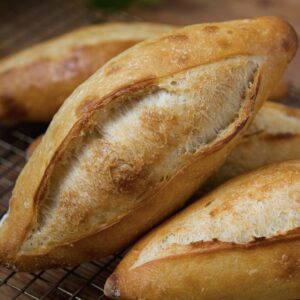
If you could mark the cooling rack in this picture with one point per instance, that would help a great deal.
(20, 25)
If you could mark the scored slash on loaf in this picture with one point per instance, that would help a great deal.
(242, 241)
(273, 136)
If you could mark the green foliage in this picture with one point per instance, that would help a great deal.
(112, 5)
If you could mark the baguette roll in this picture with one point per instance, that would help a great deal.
(133, 142)
(273, 136)
(280, 92)
(35, 82)
(242, 241)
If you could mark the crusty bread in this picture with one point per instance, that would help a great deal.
(242, 241)
(280, 91)
(134, 141)
(273, 136)
(35, 82)
(31, 148)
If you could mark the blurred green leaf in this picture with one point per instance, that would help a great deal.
(112, 5)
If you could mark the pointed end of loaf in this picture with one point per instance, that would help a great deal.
(285, 33)
(111, 288)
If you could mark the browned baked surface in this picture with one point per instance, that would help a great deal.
(35, 82)
(273, 136)
(242, 241)
(280, 92)
(135, 140)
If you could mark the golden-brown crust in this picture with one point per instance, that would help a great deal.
(136, 69)
(274, 136)
(280, 92)
(271, 271)
(34, 90)
(49, 82)
(265, 268)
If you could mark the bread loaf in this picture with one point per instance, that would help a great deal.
(242, 241)
(274, 136)
(35, 82)
(280, 92)
(134, 141)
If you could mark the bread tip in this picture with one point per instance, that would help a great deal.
(111, 289)
(290, 40)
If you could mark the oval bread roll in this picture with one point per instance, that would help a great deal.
(242, 241)
(280, 92)
(273, 136)
(134, 141)
(35, 82)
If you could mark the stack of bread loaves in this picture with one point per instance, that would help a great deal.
(138, 138)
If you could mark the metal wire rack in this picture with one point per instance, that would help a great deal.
(85, 281)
